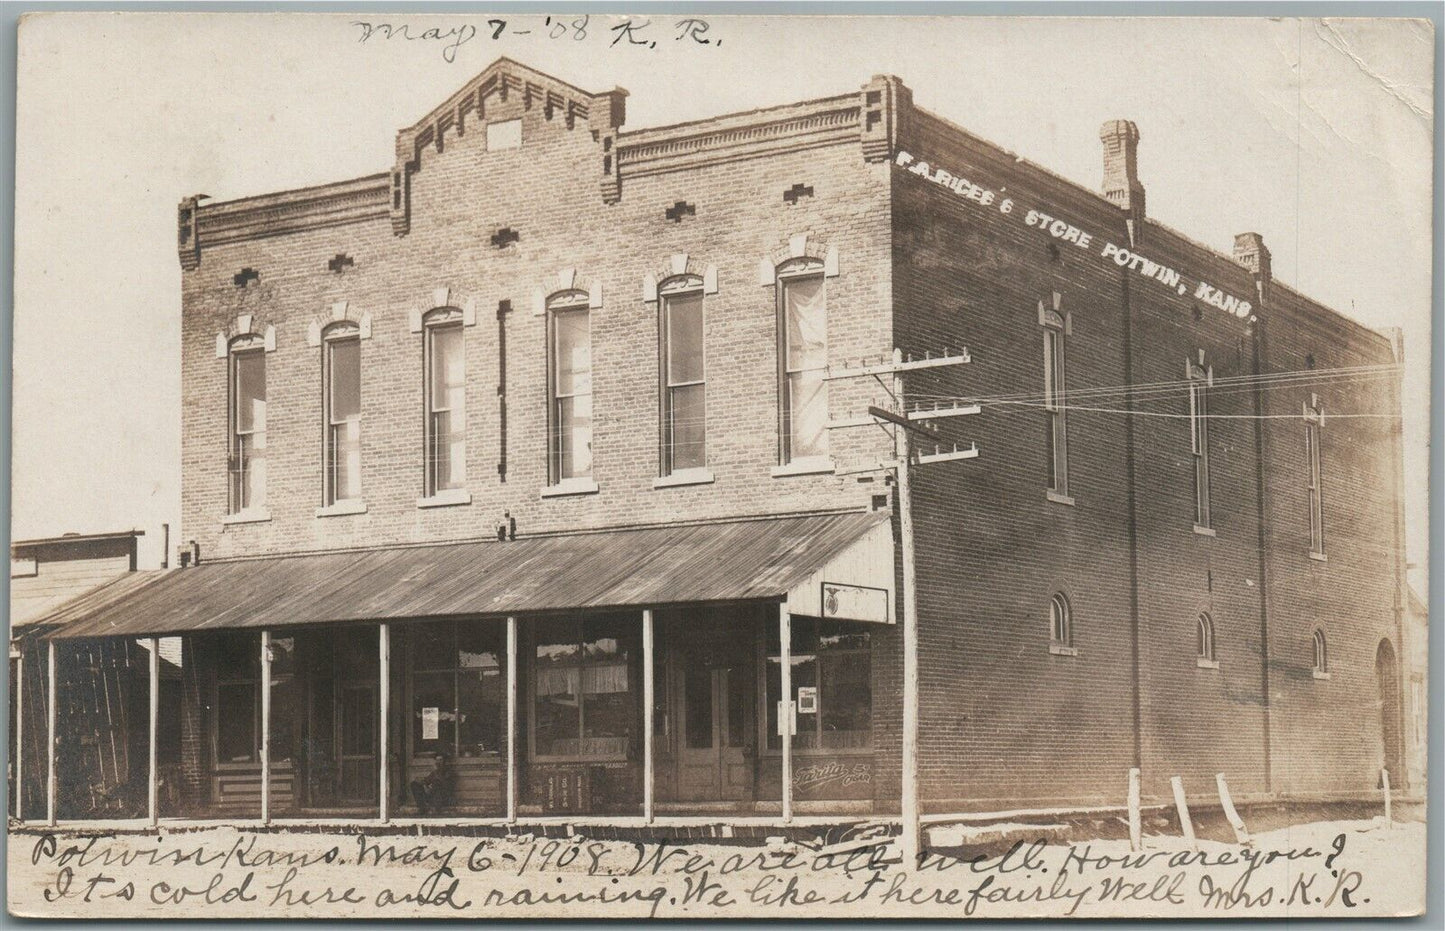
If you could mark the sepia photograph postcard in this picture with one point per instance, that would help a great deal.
(686, 466)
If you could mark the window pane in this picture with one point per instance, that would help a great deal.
(573, 352)
(481, 687)
(807, 323)
(740, 695)
(446, 364)
(557, 709)
(236, 722)
(687, 427)
(238, 655)
(250, 391)
(345, 379)
(345, 439)
(684, 339)
(807, 414)
(574, 436)
(434, 730)
(846, 701)
(433, 646)
(283, 656)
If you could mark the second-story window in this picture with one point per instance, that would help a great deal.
(1057, 435)
(247, 454)
(1314, 419)
(803, 361)
(569, 333)
(1200, 378)
(342, 375)
(446, 402)
(684, 388)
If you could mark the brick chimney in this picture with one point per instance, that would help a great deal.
(1121, 173)
(1251, 252)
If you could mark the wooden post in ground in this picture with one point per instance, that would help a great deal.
(1240, 833)
(647, 714)
(1385, 787)
(785, 705)
(383, 714)
(910, 840)
(1136, 826)
(1185, 824)
(152, 772)
(511, 720)
(50, 736)
(265, 727)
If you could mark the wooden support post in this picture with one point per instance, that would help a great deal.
(1136, 826)
(1225, 802)
(20, 736)
(383, 713)
(1385, 787)
(153, 774)
(910, 841)
(265, 727)
(785, 705)
(1185, 824)
(511, 720)
(648, 666)
(50, 735)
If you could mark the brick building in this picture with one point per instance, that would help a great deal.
(538, 465)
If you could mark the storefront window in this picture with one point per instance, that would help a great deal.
(458, 688)
(832, 675)
(584, 705)
(238, 697)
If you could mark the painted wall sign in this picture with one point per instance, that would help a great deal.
(855, 602)
(1066, 232)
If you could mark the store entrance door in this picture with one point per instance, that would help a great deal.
(714, 696)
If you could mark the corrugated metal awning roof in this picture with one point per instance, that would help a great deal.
(674, 564)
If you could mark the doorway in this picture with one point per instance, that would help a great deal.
(714, 695)
(356, 736)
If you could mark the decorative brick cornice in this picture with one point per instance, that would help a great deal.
(601, 113)
(206, 225)
(885, 103)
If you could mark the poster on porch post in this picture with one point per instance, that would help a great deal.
(506, 464)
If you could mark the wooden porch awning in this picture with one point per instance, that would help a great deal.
(833, 565)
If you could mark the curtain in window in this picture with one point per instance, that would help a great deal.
(806, 321)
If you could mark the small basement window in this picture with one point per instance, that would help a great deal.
(506, 134)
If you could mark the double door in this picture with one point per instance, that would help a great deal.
(715, 692)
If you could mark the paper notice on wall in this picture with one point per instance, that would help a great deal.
(807, 699)
(430, 719)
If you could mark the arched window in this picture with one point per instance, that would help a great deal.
(446, 401)
(802, 360)
(684, 378)
(247, 454)
(569, 387)
(1061, 622)
(1322, 653)
(341, 374)
(1204, 641)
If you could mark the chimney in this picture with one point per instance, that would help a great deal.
(1251, 252)
(1121, 173)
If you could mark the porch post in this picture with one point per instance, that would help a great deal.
(155, 707)
(647, 714)
(20, 736)
(384, 709)
(785, 707)
(265, 727)
(50, 736)
(511, 720)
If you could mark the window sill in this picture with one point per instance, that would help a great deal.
(447, 498)
(812, 465)
(1319, 557)
(1319, 675)
(340, 508)
(684, 477)
(1204, 531)
(1203, 663)
(1058, 649)
(247, 517)
(1059, 498)
(570, 486)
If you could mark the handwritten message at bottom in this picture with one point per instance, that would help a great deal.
(1340, 869)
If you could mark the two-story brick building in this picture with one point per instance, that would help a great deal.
(530, 475)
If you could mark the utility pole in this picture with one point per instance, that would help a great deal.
(907, 423)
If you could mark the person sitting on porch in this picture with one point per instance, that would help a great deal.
(434, 791)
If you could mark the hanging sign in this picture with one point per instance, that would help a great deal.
(855, 602)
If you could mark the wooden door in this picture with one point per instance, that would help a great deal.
(356, 741)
